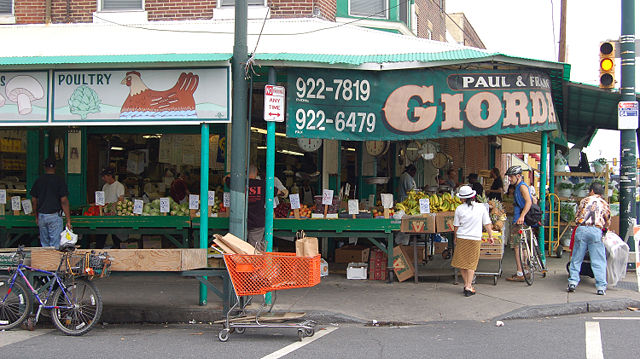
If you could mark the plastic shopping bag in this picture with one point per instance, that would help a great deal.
(617, 255)
(68, 237)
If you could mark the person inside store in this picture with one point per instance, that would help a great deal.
(451, 179)
(307, 192)
(113, 192)
(522, 201)
(497, 187)
(281, 189)
(475, 185)
(593, 218)
(468, 220)
(49, 198)
(407, 183)
(179, 189)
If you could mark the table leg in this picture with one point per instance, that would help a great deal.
(390, 257)
(415, 258)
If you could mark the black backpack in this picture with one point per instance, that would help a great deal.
(534, 216)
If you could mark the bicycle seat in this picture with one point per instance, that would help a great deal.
(67, 247)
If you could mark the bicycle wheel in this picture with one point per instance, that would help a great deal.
(537, 257)
(525, 261)
(77, 315)
(15, 303)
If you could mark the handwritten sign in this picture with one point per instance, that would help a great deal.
(3, 196)
(26, 205)
(327, 197)
(137, 206)
(100, 198)
(354, 206)
(211, 198)
(226, 199)
(424, 205)
(194, 201)
(387, 200)
(15, 203)
(164, 205)
(294, 198)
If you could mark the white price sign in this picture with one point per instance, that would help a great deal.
(354, 206)
(294, 198)
(327, 197)
(226, 199)
(424, 205)
(26, 204)
(387, 200)
(274, 103)
(100, 198)
(164, 205)
(211, 198)
(137, 206)
(15, 203)
(194, 202)
(627, 115)
(3, 196)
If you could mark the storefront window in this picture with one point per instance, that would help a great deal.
(13, 162)
(6, 7)
(369, 8)
(122, 5)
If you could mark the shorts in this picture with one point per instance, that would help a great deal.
(514, 235)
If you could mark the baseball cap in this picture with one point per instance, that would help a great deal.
(50, 163)
(107, 171)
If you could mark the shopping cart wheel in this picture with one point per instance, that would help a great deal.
(309, 332)
(240, 330)
(446, 254)
(495, 280)
(559, 252)
(223, 336)
(300, 334)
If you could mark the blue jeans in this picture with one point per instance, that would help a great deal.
(589, 238)
(50, 228)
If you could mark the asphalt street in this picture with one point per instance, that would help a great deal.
(602, 335)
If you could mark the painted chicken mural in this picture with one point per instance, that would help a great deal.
(145, 103)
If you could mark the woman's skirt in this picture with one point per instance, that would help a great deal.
(466, 254)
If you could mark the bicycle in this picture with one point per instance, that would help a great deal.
(531, 260)
(74, 301)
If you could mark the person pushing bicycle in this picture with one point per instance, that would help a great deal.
(521, 205)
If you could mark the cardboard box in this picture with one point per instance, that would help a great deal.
(409, 251)
(215, 263)
(128, 245)
(402, 266)
(439, 247)
(152, 242)
(444, 221)
(348, 254)
(419, 224)
(357, 270)
(377, 265)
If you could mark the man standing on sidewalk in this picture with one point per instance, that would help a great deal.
(49, 198)
(593, 218)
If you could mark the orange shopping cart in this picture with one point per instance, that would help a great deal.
(259, 274)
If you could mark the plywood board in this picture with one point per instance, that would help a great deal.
(136, 260)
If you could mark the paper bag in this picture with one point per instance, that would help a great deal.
(306, 246)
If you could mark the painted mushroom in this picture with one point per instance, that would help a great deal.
(23, 90)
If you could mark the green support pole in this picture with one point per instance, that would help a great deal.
(271, 159)
(552, 189)
(237, 218)
(204, 199)
(543, 188)
(627, 137)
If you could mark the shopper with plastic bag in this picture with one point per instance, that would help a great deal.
(617, 256)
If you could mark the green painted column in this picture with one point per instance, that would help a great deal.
(552, 189)
(204, 199)
(271, 159)
(34, 164)
(543, 188)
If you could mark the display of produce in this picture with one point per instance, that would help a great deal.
(437, 203)
(305, 211)
(497, 214)
(282, 210)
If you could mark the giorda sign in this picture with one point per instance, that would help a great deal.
(416, 104)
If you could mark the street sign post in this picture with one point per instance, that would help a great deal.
(274, 103)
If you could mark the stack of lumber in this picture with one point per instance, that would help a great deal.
(231, 244)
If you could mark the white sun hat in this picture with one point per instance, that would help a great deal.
(466, 192)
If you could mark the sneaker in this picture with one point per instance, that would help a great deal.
(516, 278)
(601, 292)
(571, 288)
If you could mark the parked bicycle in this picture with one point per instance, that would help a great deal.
(530, 256)
(74, 301)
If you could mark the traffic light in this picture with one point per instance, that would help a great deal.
(607, 77)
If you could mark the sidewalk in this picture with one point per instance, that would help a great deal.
(172, 298)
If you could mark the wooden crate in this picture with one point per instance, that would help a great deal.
(132, 260)
(491, 251)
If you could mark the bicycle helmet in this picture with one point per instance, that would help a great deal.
(514, 170)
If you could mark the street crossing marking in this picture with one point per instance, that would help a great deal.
(593, 340)
(8, 337)
(295, 346)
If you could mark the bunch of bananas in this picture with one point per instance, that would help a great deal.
(437, 203)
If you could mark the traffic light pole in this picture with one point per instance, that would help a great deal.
(627, 137)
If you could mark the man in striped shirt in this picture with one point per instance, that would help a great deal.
(593, 219)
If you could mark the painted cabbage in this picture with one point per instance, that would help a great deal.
(84, 101)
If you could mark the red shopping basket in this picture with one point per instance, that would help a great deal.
(255, 274)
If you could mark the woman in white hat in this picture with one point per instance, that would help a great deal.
(468, 221)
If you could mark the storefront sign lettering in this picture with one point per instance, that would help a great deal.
(84, 79)
(362, 105)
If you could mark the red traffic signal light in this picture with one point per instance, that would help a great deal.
(607, 68)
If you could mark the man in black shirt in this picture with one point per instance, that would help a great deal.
(49, 198)
(475, 185)
(255, 209)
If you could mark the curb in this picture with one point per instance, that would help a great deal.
(541, 311)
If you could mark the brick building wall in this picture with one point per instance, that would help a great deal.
(470, 154)
(431, 18)
(162, 10)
